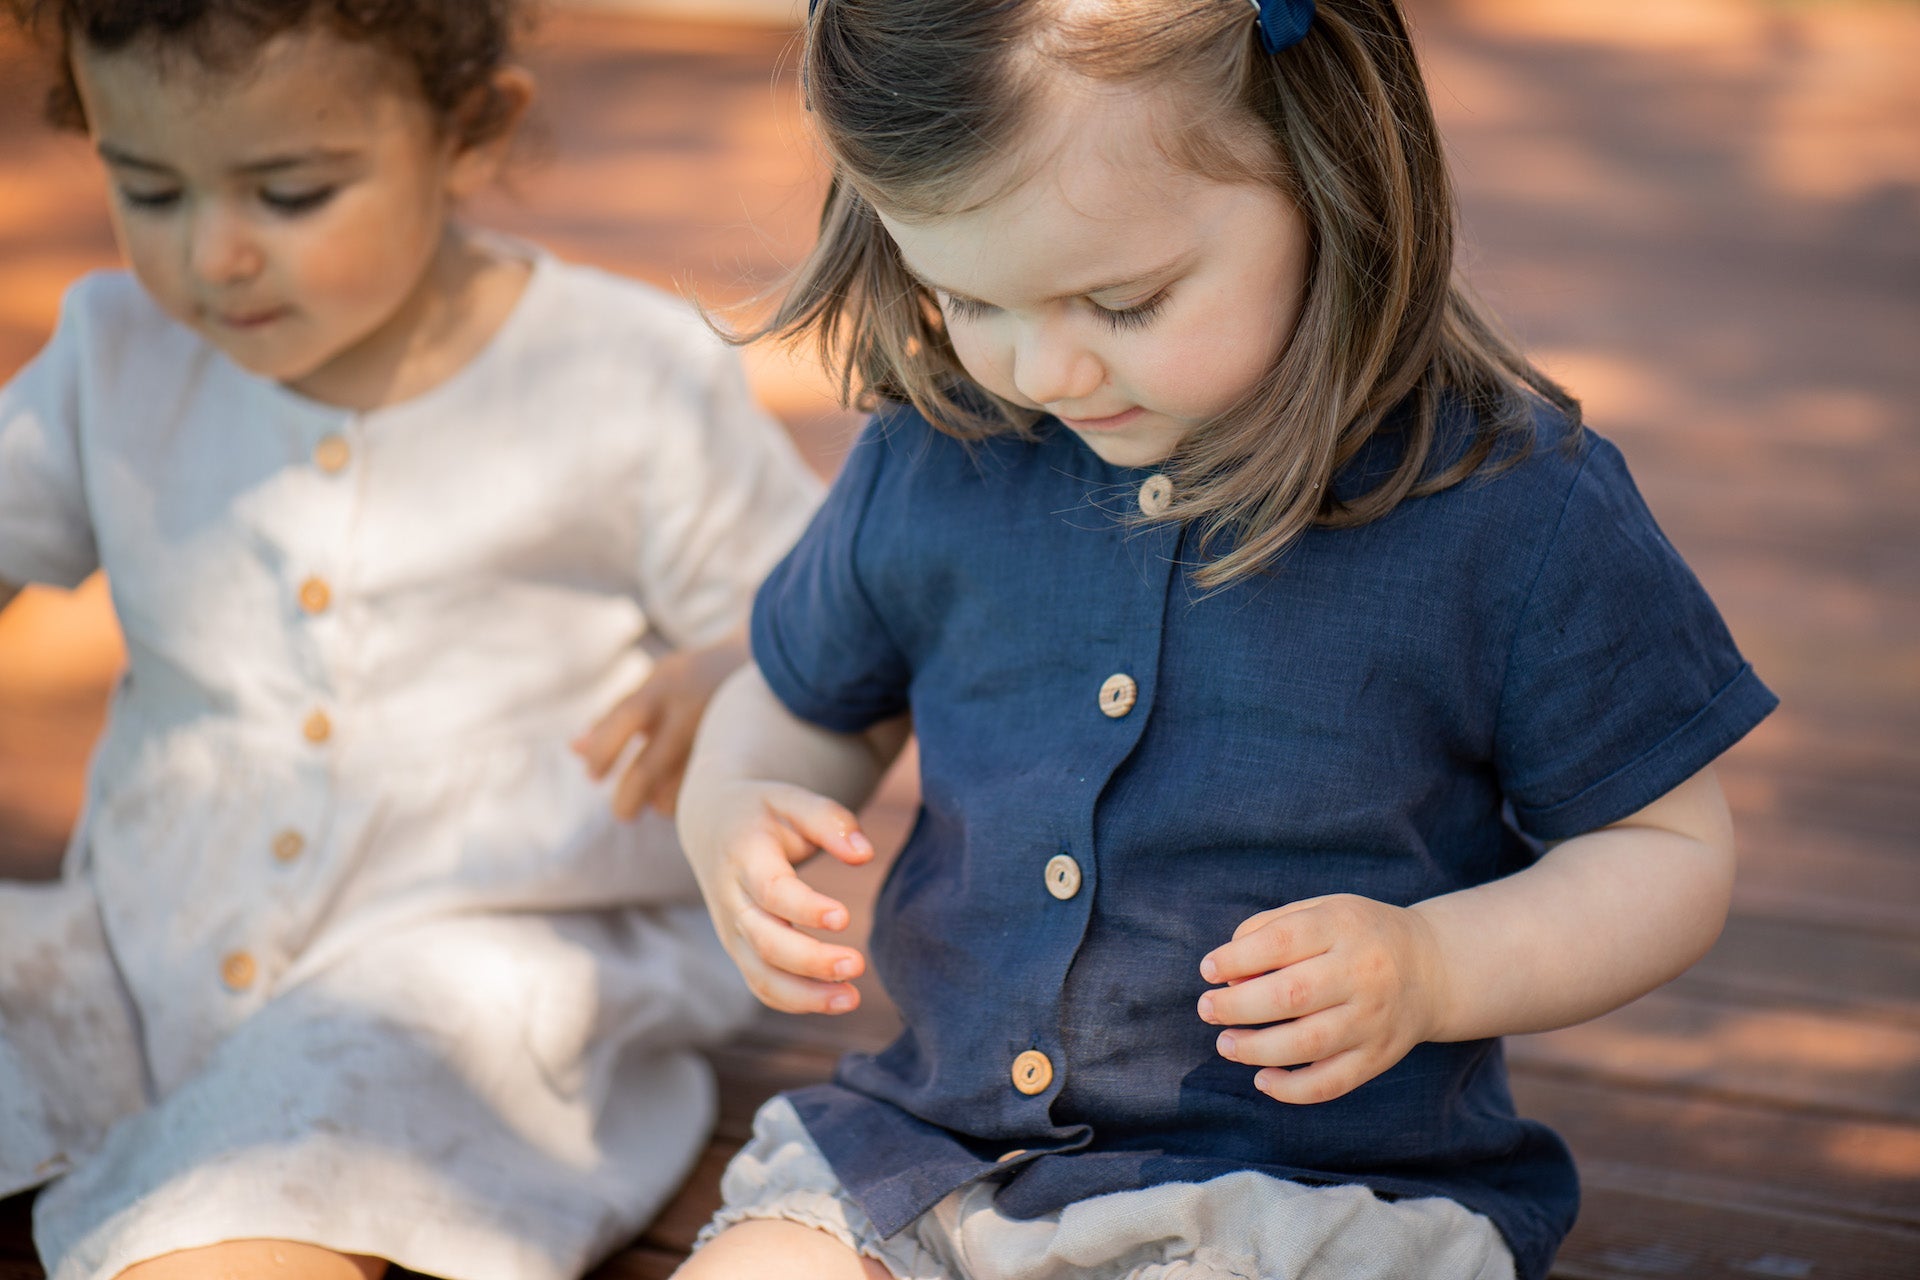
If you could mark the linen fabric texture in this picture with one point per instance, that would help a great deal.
(1397, 710)
(348, 948)
(1239, 1226)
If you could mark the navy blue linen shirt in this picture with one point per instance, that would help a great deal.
(1397, 710)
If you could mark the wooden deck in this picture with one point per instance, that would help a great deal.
(1705, 214)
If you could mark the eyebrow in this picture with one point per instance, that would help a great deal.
(271, 164)
(1167, 269)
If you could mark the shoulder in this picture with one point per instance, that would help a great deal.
(111, 306)
(111, 334)
(645, 330)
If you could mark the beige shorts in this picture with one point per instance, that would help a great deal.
(1244, 1226)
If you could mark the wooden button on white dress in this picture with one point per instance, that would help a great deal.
(1156, 495)
(1032, 1072)
(332, 454)
(317, 729)
(315, 595)
(1118, 695)
(1063, 876)
(238, 971)
(288, 845)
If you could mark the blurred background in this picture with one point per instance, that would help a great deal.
(1704, 217)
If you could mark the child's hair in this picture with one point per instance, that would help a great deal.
(918, 100)
(454, 47)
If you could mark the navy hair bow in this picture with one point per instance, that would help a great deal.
(1283, 23)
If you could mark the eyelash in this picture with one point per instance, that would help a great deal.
(1138, 316)
(305, 202)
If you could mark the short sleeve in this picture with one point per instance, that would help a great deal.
(728, 496)
(1622, 681)
(46, 534)
(818, 639)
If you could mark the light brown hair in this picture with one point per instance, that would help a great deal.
(916, 100)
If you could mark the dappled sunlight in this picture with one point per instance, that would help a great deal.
(1789, 1057)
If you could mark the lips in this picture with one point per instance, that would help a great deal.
(247, 319)
(1108, 423)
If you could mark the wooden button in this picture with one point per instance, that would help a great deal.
(1118, 695)
(315, 595)
(289, 845)
(238, 971)
(318, 728)
(1032, 1073)
(1063, 876)
(332, 454)
(1156, 495)
(1014, 1154)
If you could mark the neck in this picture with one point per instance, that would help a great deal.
(463, 297)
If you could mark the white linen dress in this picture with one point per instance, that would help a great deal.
(348, 948)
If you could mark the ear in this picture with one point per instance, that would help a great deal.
(494, 113)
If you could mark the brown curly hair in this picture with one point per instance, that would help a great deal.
(455, 47)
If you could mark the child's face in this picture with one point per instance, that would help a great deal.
(1129, 297)
(288, 212)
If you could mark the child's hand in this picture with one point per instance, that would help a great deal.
(663, 712)
(1354, 984)
(760, 831)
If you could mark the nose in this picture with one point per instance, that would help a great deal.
(221, 248)
(1052, 366)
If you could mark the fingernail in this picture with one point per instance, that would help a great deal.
(1225, 1044)
(1209, 970)
(835, 919)
(843, 967)
(1206, 1007)
(859, 842)
(840, 1003)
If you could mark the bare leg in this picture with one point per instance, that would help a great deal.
(771, 1250)
(257, 1260)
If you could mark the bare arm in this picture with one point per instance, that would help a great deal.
(1354, 984)
(1600, 920)
(765, 791)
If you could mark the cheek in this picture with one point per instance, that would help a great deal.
(982, 356)
(358, 258)
(152, 253)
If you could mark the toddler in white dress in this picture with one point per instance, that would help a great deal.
(353, 963)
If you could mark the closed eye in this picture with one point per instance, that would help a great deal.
(296, 202)
(1137, 316)
(149, 200)
(959, 307)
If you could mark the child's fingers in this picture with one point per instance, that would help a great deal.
(790, 994)
(781, 893)
(1282, 938)
(1323, 1081)
(1291, 1044)
(666, 795)
(785, 948)
(1290, 992)
(600, 746)
(823, 824)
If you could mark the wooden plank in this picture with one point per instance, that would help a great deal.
(1787, 961)
(1861, 1170)
(1825, 1064)
(1631, 1233)
(674, 1230)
